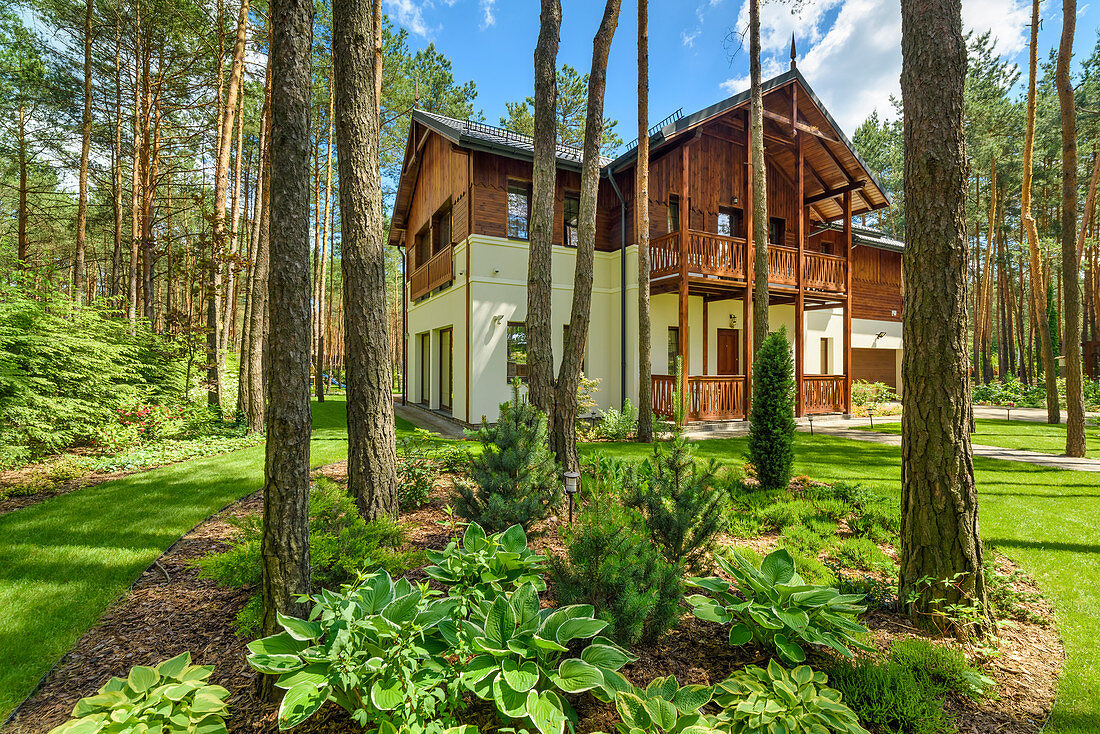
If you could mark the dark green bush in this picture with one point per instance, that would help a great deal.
(771, 435)
(611, 564)
(515, 476)
(947, 670)
(889, 698)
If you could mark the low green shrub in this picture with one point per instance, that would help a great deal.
(889, 698)
(862, 554)
(834, 508)
(417, 471)
(616, 425)
(779, 515)
(947, 670)
(1006, 600)
(744, 525)
(171, 697)
(756, 700)
(813, 571)
(774, 607)
(803, 540)
(515, 477)
(822, 525)
(879, 521)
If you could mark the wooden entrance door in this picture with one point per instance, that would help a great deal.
(425, 367)
(727, 351)
(446, 351)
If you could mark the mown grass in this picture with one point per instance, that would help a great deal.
(1027, 435)
(1048, 520)
(63, 561)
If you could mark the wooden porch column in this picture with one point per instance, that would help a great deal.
(685, 221)
(848, 303)
(750, 261)
(800, 297)
(706, 336)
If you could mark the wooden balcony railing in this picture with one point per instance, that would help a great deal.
(709, 397)
(715, 255)
(824, 393)
(438, 271)
(825, 272)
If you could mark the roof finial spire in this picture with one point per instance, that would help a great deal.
(793, 54)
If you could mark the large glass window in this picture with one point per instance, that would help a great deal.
(570, 217)
(519, 209)
(517, 350)
(729, 222)
(441, 228)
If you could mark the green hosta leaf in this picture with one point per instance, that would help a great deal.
(209, 700)
(386, 698)
(210, 725)
(500, 621)
(710, 583)
(510, 702)
(632, 710)
(142, 678)
(608, 657)
(513, 540)
(299, 703)
(614, 683)
(813, 598)
(280, 644)
(99, 702)
(275, 664)
(546, 712)
(662, 712)
(474, 538)
(707, 609)
(740, 634)
(376, 593)
(803, 675)
(172, 667)
(790, 651)
(180, 691)
(664, 687)
(299, 629)
(690, 699)
(525, 601)
(544, 644)
(521, 678)
(403, 608)
(579, 628)
(575, 676)
(315, 674)
(797, 620)
(87, 725)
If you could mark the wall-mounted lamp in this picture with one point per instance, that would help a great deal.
(880, 335)
(572, 486)
(733, 321)
(498, 318)
(733, 199)
(496, 271)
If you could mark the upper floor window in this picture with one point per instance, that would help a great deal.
(517, 350)
(673, 213)
(519, 209)
(826, 249)
(777, 230)
(570, 217)
(441, 228)
(729, 221)
(420, 246)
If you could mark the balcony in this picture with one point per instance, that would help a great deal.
(722, 397)
(438, 271)
(715, 256)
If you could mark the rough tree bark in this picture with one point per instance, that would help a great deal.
(540, 350)
(285, 543)
(256, 388)
(641, 232)
(1038, 283)
(357, 60)
(326, 244)
(939, 503)
(85, 150)
(759, 201)
(563, 435)
(1071, 286)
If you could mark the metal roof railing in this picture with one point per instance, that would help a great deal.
(654, 128)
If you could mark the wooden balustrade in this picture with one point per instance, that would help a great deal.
(782, 265)
(438, 271)
(824, 393)
(720, 397)
(664, 255)
(825, 272)
(716, 255)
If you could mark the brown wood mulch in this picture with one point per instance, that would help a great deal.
(170, 610)
(15, 481)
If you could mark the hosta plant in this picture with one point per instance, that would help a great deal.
(664, 707)
(521, 660)
(755, 700)
(374, 649)
(171, 697)
(485, 566)
(776, 608)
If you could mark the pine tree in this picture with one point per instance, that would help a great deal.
(515, 477)
(771, 435)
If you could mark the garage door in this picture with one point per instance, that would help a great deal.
(875, 365)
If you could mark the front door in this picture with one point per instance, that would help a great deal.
(445, 369)
(727, 351)
(425, 367)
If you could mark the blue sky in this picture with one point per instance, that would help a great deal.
(849, 50)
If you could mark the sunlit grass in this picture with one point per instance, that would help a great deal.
(1027, 435)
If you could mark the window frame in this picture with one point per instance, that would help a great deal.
(444, 213)
(780, 224)
(514, 369)
(525, 186)
(735, 216)
(674, 201)
(565, 228)
(673, 354)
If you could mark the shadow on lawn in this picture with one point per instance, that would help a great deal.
(1042, 545)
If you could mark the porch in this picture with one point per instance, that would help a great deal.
(722, 397)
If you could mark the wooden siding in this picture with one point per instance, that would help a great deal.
(442, 176)
(875, 365)
(876, 284)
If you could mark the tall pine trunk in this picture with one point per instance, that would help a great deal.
(357, 60)
(759, 201)
(641, 232)
(285, 542)
(1071, 288)
(85, 151)
(939, 502)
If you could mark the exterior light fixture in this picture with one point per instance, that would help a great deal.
(733, 199)
(498, 318)
(733, 321)
(811, 419)
(871, 416)
(881, 335)
(572, 486)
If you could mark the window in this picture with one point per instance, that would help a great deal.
(421, 246)
(570, 218)
(729, 221)
(826, 248)
(519, 209)
(826, 353)
(673, 348)
(441, 228)
(517, 350)
(674, 213)
(777, 230)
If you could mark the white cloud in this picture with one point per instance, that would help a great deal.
(850, 50)
(409, 14)
(487, 16)
(688, 38)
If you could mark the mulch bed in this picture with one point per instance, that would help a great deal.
(170, 610)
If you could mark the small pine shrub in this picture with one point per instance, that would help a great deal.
(771, 434)
(862, 554)
(611, 564)
(515, 476)
(889, 698)
(878, 521)
(801, 539)
(947, 670)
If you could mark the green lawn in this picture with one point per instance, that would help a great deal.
(1029, 435)
(1048, 520)
(62, 562)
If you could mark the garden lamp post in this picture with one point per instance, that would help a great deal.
(572, 484)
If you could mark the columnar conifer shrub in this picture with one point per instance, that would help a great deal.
(771, 434)
(515, 476)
